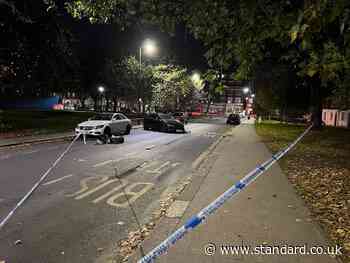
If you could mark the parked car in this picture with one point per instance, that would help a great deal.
(181, 116)
(105, 124)
(162, 122)
(233, 119)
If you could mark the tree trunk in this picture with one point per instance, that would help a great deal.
(316, 102)
(115, 101)
(95, 103)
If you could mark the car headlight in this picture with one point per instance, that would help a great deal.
(99, 127)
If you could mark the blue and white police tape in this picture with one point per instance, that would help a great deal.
(212, 207)
(37, 184)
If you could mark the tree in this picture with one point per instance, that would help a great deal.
(312, 36)
(172, 88)
(39, 49)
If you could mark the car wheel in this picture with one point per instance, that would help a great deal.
(127, 130)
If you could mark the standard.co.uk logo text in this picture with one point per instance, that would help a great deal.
(236, 250)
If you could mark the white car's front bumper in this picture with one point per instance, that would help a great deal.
(93, 132)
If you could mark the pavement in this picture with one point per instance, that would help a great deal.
(267, 216)
(80, 211)
(41, 138)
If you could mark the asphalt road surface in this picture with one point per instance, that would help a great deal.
(80, 210)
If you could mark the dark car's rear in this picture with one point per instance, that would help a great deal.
(180, 116)
(233, 119)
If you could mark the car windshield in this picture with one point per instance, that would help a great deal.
(102, 117)
(165, 116)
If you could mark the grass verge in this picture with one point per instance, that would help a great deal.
(319, 168)
(15, 123)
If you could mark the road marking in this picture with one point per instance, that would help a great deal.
(84, 186)
(59, 179)
(175, 164)
(95, 189)
(117, 198)
(147, 165)
(158, 170)
(128, 191)
(79, 160)
(177, 208)
(30, 152)
(115, 189)
(103, 163)
(150, 147)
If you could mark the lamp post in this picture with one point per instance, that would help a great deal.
(101, 89)
(149, 48)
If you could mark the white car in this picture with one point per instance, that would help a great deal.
(105, 124)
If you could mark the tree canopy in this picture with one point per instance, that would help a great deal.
(311, 35)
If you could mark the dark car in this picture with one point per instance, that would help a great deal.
(180, 116)
(162, 122)
(233, 119)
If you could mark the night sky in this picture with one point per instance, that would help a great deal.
(97, 42)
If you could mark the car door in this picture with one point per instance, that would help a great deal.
(115, 124)
(124, 121)
(153, 121)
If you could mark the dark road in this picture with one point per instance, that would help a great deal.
(80, 210)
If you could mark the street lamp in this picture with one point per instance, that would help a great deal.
(101, 89)
(150, 48)
(195, 77)
(245, 90)
(253, 95)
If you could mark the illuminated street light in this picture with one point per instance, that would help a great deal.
(245, 90)
(149, 47)
(101, 89)
(195, 77)
(253, 95)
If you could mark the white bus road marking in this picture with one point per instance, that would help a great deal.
(95, 189)
(128, 191)
(159, 169)
(59, 179)
(84, 186)
(114, 194)
(147, 165)
(115, 189)
(102, 163)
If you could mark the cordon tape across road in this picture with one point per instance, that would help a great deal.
(194, 221)
(37, 184)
